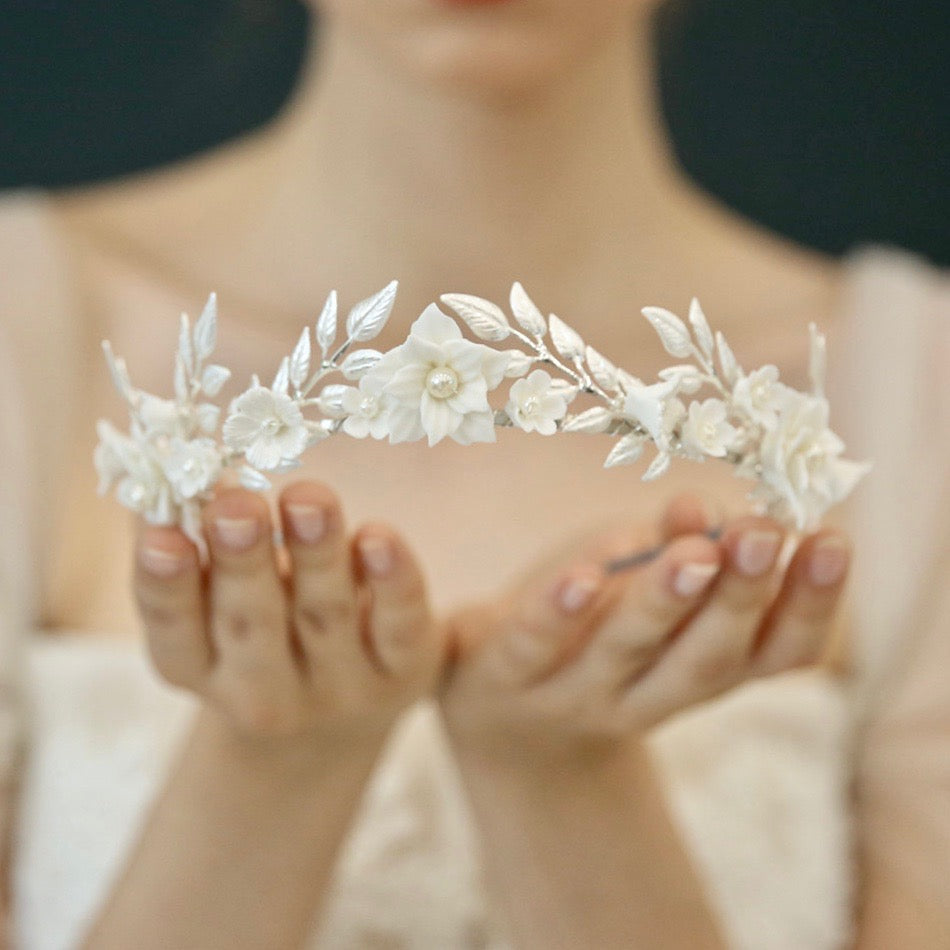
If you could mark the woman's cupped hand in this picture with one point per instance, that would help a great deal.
(327, 636)
(576, 658)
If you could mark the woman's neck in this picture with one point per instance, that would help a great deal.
(377, 174)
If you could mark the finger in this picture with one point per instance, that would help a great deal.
(544, 625)
(167, 588)
(656, 600)
(248, 613)
(324, 605)
(796, 627)
(710, 653)
(690, 513)
(400, 629)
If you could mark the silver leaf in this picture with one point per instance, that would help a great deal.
(184, 346)
(603, 371)
(181, 380)
(213, 378)
(118, 372)
(286, 465)
(701, 329)
(597, 419)
(282, 377)
(672, 331)
(369, 316)
(253, 479)
(529, 317)
(626, 451)
(518, 363)
(485, 319)
(657, 467)
(688, 378)
(206, 329)
(330, 400)
(360, 362)
(816, 360)
(300, 359)
(326, 324)
(731, 371)
(565, 388)
(566, 341)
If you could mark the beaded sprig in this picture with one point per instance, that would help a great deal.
(436, 385)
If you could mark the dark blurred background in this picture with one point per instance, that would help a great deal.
(828, 121)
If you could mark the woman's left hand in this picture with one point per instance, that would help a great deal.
(573, 657)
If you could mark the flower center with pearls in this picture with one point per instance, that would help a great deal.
(531, 405)
(442, 382)
(271, 426)
(369, 407)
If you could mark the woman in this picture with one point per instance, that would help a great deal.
(459, 146)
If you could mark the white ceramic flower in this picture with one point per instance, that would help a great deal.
(656, 408)
(366, 409)
(267, 426)
(144, 489)
(439, 383)
(760, 395)
(160, 416)
(192, 466)
(799, 463)
(533, 406)
(706, 429)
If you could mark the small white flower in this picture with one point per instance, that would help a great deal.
(532, 405)
(655, 408)
(706, 430)
(365, 407)
(160, 416)
(144, 489)
(439, 383)
(760, 395)
(192, 467)
(266, 426)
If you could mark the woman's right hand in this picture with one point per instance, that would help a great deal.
(337, 643)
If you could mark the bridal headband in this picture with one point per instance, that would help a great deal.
(436, 385)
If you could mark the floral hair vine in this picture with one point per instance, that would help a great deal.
(436, 384)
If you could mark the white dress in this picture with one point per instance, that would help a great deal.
(761, 781)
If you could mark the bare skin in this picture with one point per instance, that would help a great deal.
(561, 160)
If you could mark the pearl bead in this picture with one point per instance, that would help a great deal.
(368, 406)
(442, 382)
(530, 406)
(271, 426)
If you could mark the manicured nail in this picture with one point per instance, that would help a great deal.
(829, 561)
(377, 556)
(757, 551)
(309, 523)
(577, 592)
(160, 563)
(692, 578)
(238, 534)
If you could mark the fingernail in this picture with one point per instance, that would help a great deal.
(577, 592)
(309, 523)
(757, 551)
(377, 556)
(160, 563)
(692, 578)
(829, 561)
(238, 534)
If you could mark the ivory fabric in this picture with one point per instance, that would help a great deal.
(780, 788)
